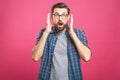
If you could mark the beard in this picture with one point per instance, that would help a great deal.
(60, 26)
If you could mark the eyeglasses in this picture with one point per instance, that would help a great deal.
(63, 16)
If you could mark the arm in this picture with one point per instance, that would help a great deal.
(37, 51)
(83, 51)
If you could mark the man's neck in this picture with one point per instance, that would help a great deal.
(61, 31)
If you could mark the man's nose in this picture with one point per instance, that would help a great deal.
(60, 17)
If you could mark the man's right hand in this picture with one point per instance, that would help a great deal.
(38, 50)
(49, 26)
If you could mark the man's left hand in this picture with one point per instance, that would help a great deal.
(71, 29)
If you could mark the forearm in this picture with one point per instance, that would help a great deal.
(83, 51)
(37, 51)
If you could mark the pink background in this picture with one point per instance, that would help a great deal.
(21, 21)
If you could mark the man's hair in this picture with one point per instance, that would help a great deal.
(60, 5)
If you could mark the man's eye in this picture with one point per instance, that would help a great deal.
(56, 15)
(64, 15)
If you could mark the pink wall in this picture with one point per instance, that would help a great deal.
(21, 21)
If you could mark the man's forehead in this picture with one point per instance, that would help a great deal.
(60, 10)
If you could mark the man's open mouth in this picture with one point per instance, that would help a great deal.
(60, 23)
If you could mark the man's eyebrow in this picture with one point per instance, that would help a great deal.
(58, 13)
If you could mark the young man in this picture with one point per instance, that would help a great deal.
(60, 47)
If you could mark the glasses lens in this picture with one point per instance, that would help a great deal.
(63, 16)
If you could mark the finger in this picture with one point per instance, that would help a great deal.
(71, 21)
(48, 19)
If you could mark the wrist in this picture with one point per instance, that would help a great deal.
(45, 32)
(73, 34)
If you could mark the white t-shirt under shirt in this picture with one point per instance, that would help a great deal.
(59, 67)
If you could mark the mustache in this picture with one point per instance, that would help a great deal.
(59, 22)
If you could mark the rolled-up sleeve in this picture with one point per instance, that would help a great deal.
(39, 35)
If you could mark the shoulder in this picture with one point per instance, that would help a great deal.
(40, 33)
(42, 30)
(78, 30)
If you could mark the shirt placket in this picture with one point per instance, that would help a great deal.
(51, 50)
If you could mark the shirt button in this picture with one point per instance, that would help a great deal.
(50, 63)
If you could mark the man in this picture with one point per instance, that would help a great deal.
(60, 47)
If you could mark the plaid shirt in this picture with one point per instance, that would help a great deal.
(74, 67)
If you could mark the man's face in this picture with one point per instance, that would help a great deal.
(60, 18)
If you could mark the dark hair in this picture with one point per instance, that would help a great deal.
(60, 5)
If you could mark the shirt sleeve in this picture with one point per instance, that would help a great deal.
(39, 35)
(82, 37)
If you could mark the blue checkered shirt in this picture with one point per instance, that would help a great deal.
(74, 66)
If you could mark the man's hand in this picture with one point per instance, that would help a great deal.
(71, 29)
(49, 26)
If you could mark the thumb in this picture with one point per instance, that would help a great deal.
(48, 19)
(71, 21)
